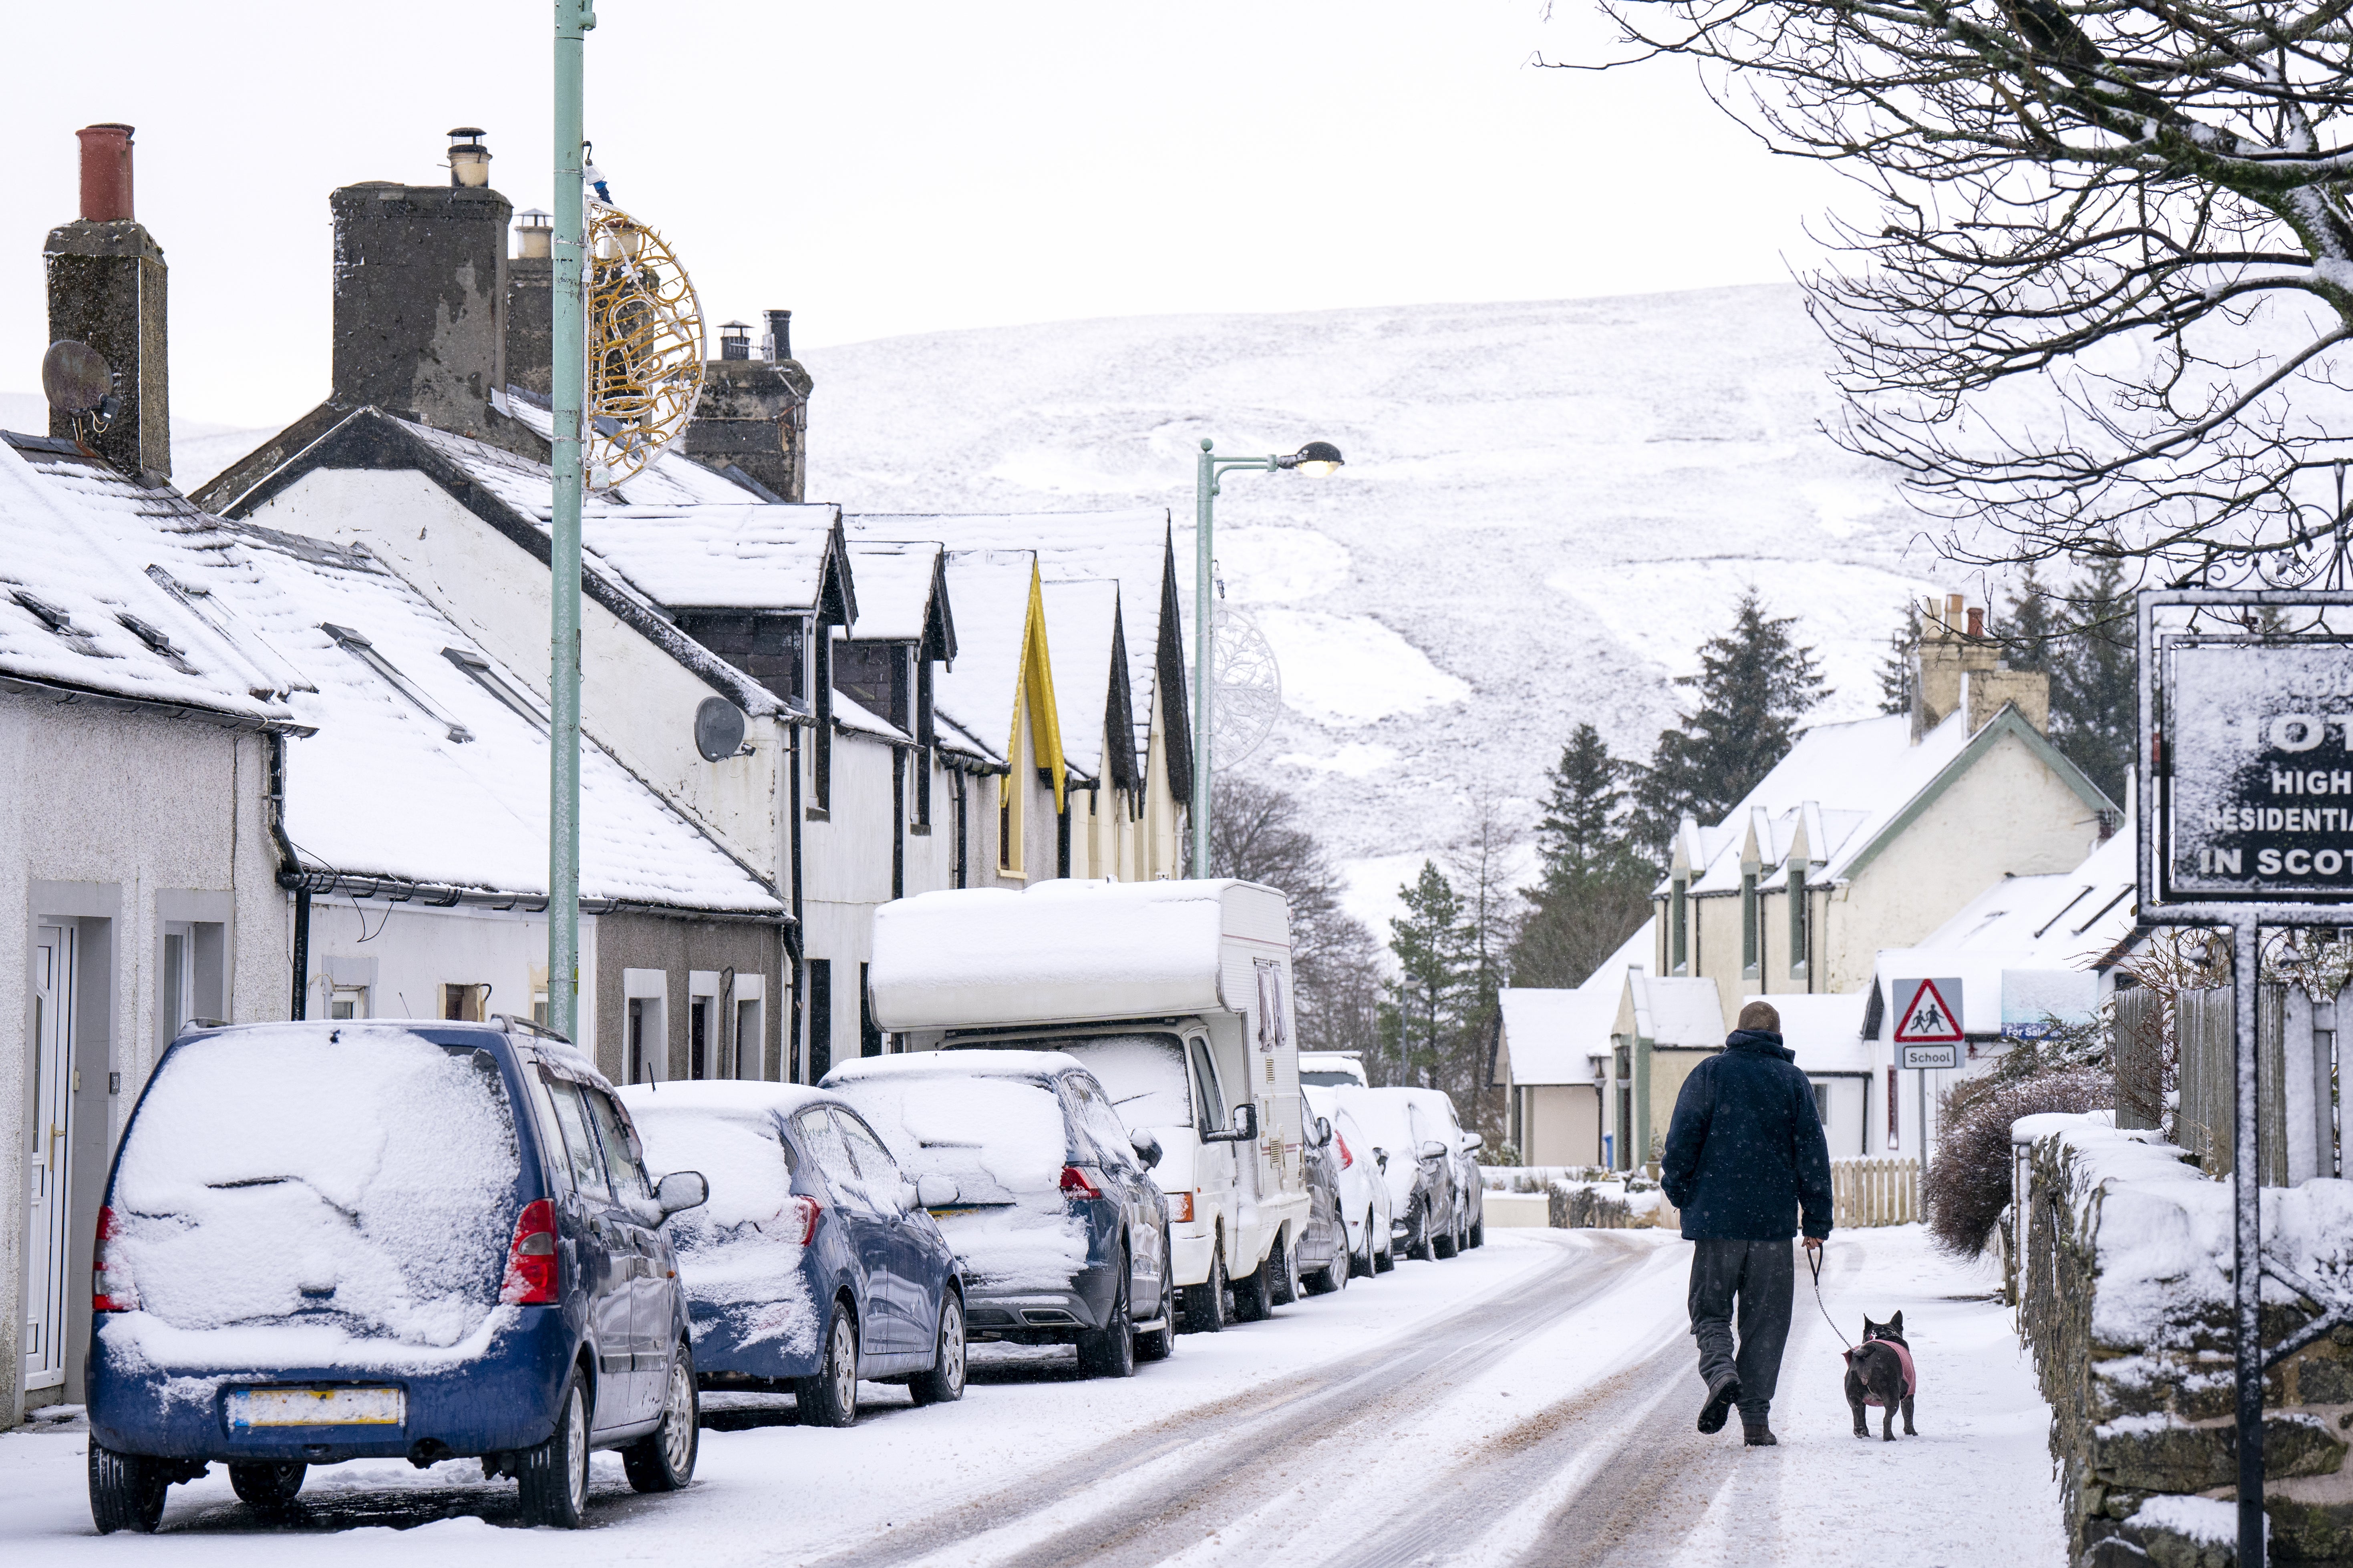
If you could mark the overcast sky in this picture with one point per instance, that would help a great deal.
(891, 168)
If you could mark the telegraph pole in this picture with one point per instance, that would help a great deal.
(574, 18)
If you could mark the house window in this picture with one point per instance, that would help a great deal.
(751, 1037)
(1797, 919)
(820, 1017)
(701, 1053)
(359, 648)
(1008, 823)
(926, 737)
(477, 669)
(821, 751)
(348, 1002)
(870, 1033)
(463, 1004)
(1679, 937)
(645, 1041)
(1823, 1103)
(1749, 957)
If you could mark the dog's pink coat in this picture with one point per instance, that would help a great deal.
(1911, 1381)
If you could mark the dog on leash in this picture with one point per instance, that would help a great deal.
(1879, 1372)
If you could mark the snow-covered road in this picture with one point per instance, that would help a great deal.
(1530, 1403)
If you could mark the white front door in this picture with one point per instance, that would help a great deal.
(51, 1151)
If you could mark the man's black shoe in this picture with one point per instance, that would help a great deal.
(1721, 1397)
(1758, 1435)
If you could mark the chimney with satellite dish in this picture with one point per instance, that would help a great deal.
(754, 413)
(106, 375)
(421, 293)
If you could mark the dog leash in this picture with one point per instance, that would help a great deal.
(1814, 1257)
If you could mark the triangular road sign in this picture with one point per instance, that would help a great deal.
(1928, 1017)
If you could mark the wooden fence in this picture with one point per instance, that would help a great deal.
(1866, 1193)
(2207, 1032)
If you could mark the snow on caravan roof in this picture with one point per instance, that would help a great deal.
(1068, 950)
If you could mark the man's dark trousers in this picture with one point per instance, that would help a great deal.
(1763, 1276)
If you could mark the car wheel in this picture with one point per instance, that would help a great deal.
(1363, 1265)
(126, 1491)
(1205, 1304)
(1282, 1273)
(663, 1459)
(944, 1383)
(268, 1485)
(1153, 1344)
(1441, 1244)
(1254, 1294)
(1384, 1261)
(830, 1398)
(1110, 1351)
(555, 1474)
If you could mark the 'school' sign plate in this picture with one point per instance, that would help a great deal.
(250, 1408)
(2258, 769)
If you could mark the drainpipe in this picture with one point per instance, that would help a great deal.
(290, 867)
(789, 1066)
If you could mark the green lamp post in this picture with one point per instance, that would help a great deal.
(1318, 458)
(574, 18)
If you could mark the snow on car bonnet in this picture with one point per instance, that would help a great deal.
(739, 1254)
(361, 1178)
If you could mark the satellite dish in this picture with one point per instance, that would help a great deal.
(1248, 685)
(75, 377)
(718, 728)
(645, 347)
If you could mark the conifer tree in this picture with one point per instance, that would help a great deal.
(1754, 683)
(1579, 827)
(1593, 889)
(2094, 681)
(1895, 670)
(2032, 626)
(1422, 1017)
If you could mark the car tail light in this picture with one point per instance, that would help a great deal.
(1180, 1208)
(1346, 1159)
(1076, 1184)
(110, 1290)
(806, 1210)
(530, 1259)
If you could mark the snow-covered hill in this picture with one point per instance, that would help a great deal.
(1546, 508)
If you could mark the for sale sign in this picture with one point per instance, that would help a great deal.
(2255, 768)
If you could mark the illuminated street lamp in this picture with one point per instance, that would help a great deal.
(1317, 457)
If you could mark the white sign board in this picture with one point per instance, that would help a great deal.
(2257, 774)
(1914, 1058)
(1927, 1012)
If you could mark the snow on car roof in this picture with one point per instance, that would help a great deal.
(76, 541)
(957, 1064)
(721, 1098)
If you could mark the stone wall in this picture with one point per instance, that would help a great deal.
(2128, 1315)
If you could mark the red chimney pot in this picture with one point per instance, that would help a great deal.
(1976, 623)
(105, 173)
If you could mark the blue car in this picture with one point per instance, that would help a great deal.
(329, 1241)
(815, 1263)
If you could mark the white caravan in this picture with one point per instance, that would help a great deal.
(1178, 997)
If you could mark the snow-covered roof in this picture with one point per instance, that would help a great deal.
(750, 555)
(1131, 547)
(79, 607)
(848, 713)
(672, 478)
(994, 590)
(2025, 949)
(899, 588)
(1551, 1034)
(1839, 789)
(1826, 1031)
(1083, 620)
(1675, 1011)
(429, 770)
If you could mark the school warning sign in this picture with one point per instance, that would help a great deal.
(2255, 768)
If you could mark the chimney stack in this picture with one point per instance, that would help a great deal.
(421, 294)
(106, 289)
(753, 416)
(1958, 670)
(531, 305)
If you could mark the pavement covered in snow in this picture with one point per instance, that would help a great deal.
(1529, 1402)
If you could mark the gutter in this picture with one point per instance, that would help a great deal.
(305, 884)
(59, 694)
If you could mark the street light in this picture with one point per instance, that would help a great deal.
(1317, 457)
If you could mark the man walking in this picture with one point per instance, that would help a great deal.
(1744, 1151)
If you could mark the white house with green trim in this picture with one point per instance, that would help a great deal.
(1867, 835)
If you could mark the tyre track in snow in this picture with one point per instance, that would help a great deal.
(1226, 1447)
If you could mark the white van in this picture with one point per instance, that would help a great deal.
(1178, 997)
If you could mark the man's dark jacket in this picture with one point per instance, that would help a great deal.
(1745, 1148)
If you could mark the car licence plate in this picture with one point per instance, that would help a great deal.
(250, 1408)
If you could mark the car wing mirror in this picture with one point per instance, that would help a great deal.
(935, 1192)
(680, 1190)
(1323, 1129)
(1474, 1143)
(1434, 1150)
(1381, 1157)
(1147, 1147)
(1246, 1122)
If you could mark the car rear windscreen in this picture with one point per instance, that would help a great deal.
(363, 1179)
(1000, 1139)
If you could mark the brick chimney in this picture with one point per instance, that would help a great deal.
(106, 287)
(421, 294)
(753, 415)
(1958, 666)
(531, 305)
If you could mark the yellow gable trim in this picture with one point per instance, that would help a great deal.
(1036, 682)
